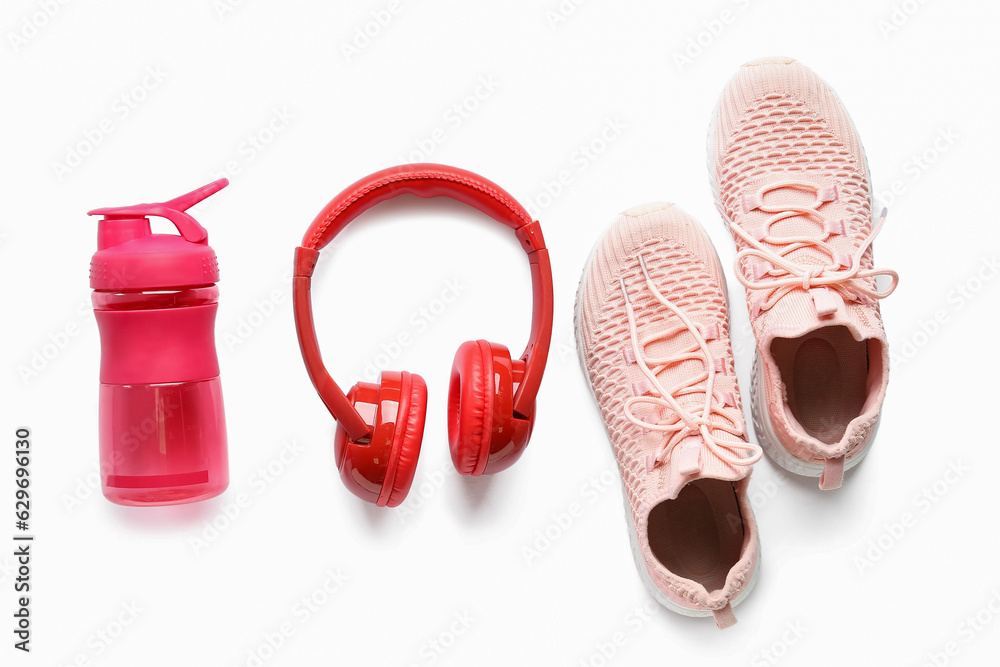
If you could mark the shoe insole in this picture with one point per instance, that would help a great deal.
(825, 374)
(699, 534)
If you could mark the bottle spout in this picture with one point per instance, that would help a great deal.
(134, 222)
(184, 202)
(113, 231)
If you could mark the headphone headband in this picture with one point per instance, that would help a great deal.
(423, 180)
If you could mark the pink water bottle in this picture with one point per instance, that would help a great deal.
(162, 428)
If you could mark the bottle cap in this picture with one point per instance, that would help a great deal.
(130, 257)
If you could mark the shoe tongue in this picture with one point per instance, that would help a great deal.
(800, 312)
(676, 474)
(691, 458)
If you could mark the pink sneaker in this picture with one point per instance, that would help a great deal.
(653, 335)
(791, 179)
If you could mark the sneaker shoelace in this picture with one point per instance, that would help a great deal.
(680, 422)
(779, 275)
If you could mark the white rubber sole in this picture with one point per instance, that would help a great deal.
(763, 428)
(640, 564)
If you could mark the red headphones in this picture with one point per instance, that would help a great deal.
(491, 400)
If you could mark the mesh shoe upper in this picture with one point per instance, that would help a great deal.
(649, 251)
(793, 182)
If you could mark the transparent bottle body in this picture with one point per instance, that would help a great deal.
(161, 443)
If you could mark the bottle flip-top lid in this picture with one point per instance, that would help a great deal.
(131, 257)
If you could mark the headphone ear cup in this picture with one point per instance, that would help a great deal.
(380, 470)
(409, 434)
(470, 407)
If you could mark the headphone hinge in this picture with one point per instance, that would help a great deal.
(531, 238)
(305, 261)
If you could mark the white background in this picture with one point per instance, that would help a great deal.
(450, 577)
